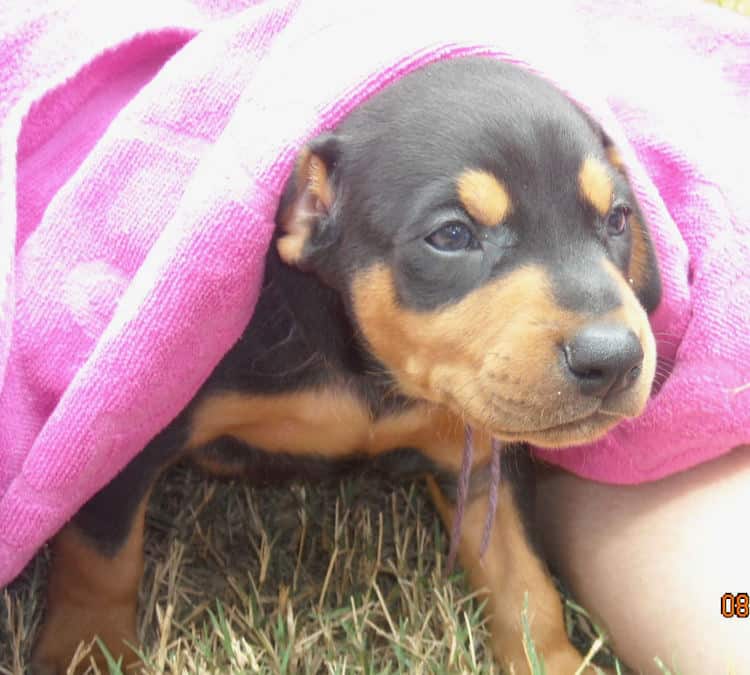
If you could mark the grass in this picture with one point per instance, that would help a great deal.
(334, 578)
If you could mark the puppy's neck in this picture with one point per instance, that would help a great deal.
(327, 336)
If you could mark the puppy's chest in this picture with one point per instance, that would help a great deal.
(297, 388)
(321, 424)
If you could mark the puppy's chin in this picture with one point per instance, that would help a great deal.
(579, 429)
(579, 432)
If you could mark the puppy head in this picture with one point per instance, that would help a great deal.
(489, 249)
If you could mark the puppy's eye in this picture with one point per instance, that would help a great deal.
(453, 236)
(617, 220)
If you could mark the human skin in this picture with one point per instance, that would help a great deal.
(652, 561)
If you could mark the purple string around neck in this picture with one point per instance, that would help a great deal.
(492, 497)
(463, 492)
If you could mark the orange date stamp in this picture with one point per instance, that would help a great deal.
(735, 605)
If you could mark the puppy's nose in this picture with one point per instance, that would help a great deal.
(604, 358)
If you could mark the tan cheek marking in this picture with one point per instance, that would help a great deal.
(507, 572)
(484, 197)
(492, 372)
(434, 354)
(595, 184)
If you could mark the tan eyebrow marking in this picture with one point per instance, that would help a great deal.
(595, 184)
(484, 197)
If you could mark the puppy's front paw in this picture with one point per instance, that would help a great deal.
(67, 626)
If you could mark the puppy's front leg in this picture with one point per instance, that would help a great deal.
(97, 564)
(90, 593)
(508, 571)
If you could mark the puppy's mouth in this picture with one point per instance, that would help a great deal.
(559, 422)
(570, 420)
(574, 432)
(556, 410)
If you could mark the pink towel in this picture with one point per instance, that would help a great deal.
(143, 149)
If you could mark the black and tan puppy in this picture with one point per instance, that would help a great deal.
(464, 249)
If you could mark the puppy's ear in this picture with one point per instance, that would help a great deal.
(643, 268)
(306, 213)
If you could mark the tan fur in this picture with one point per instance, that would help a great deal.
(331, 423)
(91, 594)
(508, 571)
(484, 197)
(490, 357)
